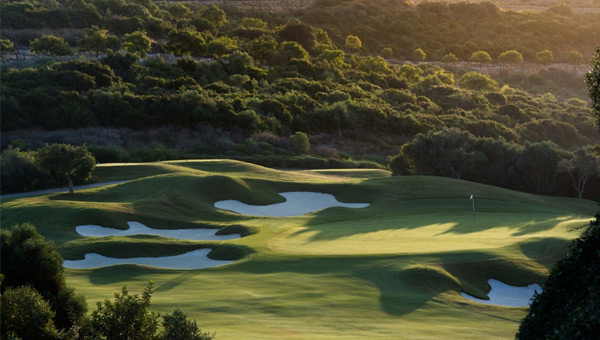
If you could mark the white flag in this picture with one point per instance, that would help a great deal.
(471, 197)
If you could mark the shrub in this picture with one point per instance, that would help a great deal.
(19, 172)
(300, 142)
(109, 153)
(26, 315)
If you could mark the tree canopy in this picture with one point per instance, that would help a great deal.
(68, 162)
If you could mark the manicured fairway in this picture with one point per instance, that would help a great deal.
(392, 270)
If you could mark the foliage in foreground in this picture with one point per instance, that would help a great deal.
(569, 305)
(37, 304)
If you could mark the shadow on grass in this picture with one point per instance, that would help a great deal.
(454, 214)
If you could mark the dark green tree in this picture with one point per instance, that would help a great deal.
(185, 42)
(50, 45)
(220, 47)
(26, 315)
(127, 318)
(262, 48)
(66, 162)
(299, 32)
(176, 326)
(28, 260)
(584, 165)
(300, 142)
(137, 43)
(569, 305)
(477, 82)
(97, 40)
(214, 15)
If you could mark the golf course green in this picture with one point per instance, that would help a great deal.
(391, 270)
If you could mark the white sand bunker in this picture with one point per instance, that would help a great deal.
(502, 294)
(297, 203)
(136, 228)
(196, 259)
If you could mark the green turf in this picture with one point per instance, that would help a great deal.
(391, 270)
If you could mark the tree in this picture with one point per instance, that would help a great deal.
(214, 15)
(300, 142)
(255, 23)
(185, 42)
(26, 315)
(538, 166)
(386, 52)
(419, 54)
(567, 307)
(353, 43)
(449, 58)
(477, 82)
(299, 32)
(289, 50)
(176, 326)
(127, 318)
(575, 58)
(50, 45)
(510, 57)
(593, 83)
(22, 247)
(375, 65)
(544, 57)
(480, 57)
(97, 40)
(137, 43)
(583, 165)
(179, 11)
(67, 161)
(220, 47)
(450, 152)
(6, 46)
(262, 48)
(333, 58)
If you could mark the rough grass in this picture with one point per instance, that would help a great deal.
(391, 270)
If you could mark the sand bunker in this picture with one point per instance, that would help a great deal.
(196, 259)
(296, 204)
(502, 294)
(136, 228)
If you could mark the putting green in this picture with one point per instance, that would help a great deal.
(394, 269)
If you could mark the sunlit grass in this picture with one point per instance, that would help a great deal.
(391, 270)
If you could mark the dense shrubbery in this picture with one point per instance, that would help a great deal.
(541, 167)
(275, 76)
(48, 167)
(37, 304)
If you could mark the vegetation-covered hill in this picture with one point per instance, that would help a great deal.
(242, 84)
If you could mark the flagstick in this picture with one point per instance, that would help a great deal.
(473, 201)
